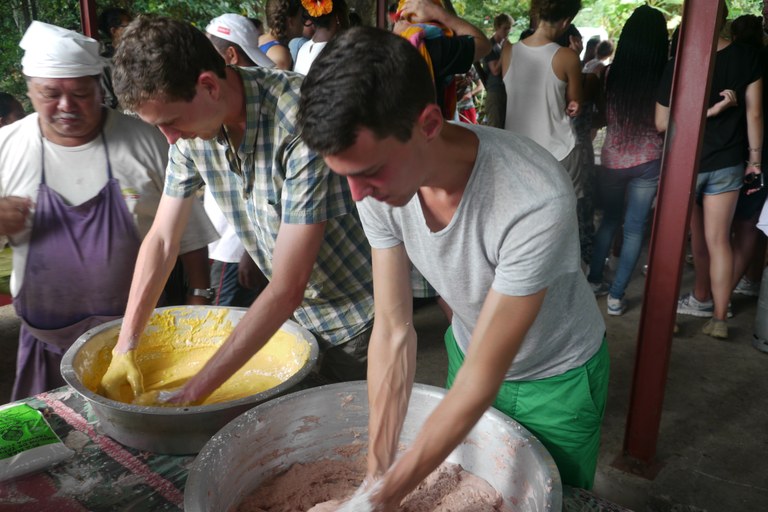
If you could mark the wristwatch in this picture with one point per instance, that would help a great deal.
(206, 293)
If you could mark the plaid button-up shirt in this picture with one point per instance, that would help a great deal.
(273, 179)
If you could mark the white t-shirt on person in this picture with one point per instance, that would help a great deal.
(307, 55)
(762, 222)
(515, 231)
(138, 154)
(228, 248)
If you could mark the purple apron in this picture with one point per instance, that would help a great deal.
(78, 275)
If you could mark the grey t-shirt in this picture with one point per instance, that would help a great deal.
(515, 231)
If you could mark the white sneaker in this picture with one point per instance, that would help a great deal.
(690, 305)
(599, 289)
(747, 287)
(615, 307)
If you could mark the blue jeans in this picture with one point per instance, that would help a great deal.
(638, 186)
(229, 291)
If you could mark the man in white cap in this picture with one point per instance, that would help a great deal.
(79, 188)
(236, 39)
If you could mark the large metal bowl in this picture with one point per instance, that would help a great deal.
(327, 422)
(171, 430)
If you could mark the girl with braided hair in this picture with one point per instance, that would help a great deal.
(631, 156)
(284, 19)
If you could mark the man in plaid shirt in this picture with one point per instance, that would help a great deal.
(233, 130)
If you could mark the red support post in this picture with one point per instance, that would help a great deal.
(690, 93)
(88, 18)
(381, 14)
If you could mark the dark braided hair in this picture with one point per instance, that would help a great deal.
(638, 64)
(278, 12)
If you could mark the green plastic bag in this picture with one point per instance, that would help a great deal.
(27, 443)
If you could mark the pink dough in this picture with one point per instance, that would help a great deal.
(448, 489)
(304, 485)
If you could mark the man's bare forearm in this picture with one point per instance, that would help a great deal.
(263, 319)
(391, 370)
(153, 266)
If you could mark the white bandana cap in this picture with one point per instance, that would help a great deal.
(55, 52)
(241, 31)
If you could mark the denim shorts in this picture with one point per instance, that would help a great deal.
(720, 181)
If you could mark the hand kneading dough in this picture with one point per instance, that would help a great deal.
(447, 489)
(176, 345)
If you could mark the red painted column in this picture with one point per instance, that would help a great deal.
(381, 13)
(88, 18)
(690, 91)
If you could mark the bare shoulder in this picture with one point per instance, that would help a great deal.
(566, 58)
(506, 58)
(281, 56)
(566, 63)
(506, 52)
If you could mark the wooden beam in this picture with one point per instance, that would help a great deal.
(690, 93)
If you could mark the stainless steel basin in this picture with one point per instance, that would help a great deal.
(170, 430)
(326, 422)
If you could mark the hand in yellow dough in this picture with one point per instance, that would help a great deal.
(168, 398)
(123, 380)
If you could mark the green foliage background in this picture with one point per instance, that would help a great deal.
(609, 14)
(17, 14)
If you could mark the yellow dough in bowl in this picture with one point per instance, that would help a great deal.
(176, 345)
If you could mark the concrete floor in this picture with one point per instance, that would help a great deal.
(713, 442)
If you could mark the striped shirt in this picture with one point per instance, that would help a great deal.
(272, 179)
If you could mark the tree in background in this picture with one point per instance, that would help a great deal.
(18, 14)
(609, 14)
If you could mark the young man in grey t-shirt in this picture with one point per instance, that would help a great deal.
(489, 219)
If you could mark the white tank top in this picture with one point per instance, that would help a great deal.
(536, 99)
